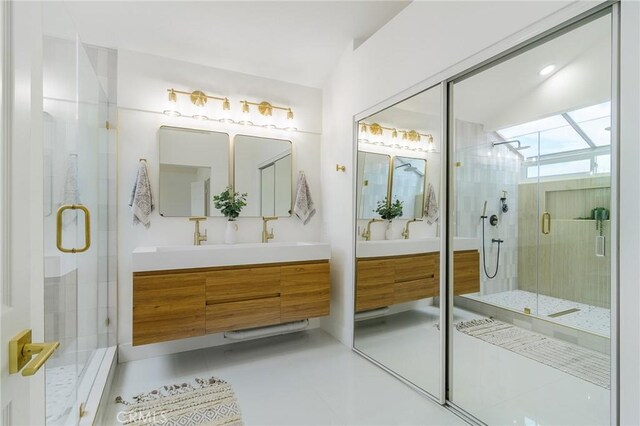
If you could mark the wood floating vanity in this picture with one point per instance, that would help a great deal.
(180, 303)
(389, 280)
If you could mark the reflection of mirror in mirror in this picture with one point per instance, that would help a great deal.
(263, 170)
(409, 176)
(194, 166)
(373, 182)
(397, 264)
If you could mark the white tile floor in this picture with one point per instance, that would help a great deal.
(496, 385)
(305, 378)
(589, 318)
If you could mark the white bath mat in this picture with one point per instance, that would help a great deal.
(585, 364)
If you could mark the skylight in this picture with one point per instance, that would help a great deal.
(556, 134)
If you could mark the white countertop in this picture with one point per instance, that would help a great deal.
(380, 248)
(205, 256)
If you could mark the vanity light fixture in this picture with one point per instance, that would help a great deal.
(266, 109)
(198, 98)
(173, 100)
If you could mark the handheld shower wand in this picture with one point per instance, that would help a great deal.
(493, 240)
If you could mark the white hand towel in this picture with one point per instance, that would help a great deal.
(431, 206)
(71, 192)
(303, 207)
(141, 198)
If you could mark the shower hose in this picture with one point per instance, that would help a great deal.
(484, 253)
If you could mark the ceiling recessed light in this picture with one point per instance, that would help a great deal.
(547, 70)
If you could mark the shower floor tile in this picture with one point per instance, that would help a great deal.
(589, 318)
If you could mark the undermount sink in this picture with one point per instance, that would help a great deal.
(186, 257)
(381, 248)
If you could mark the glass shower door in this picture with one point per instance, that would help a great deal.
(75, 203)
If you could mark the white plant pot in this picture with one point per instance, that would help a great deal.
(231, 233)
(388, 232)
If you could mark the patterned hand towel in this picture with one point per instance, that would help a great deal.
(431, 206)
(141, 198)
(303, 207)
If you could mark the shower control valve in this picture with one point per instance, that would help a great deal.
(493, 220)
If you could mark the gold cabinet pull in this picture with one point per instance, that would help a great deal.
(21, 350)
(87, 228)
(546, 223)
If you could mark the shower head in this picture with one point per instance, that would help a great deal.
(484, 210)
(408, 167)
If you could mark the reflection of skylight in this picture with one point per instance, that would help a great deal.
(591, 112)
(533, 127)
(555, 134)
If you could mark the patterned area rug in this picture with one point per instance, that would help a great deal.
(585, 364)
(205, 402)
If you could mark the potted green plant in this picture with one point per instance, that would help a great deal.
(230, 204)
(389, 211)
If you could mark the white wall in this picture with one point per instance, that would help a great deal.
(142, 83)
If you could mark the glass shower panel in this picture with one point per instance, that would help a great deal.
(531, 216)
(75, 176)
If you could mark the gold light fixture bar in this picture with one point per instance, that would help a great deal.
(265, 108)
(411, 135)
(198, 98)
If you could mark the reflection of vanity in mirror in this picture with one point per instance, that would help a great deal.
(263, 170)
(398, 262)
(194, 166)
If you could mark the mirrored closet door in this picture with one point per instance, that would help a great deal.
(531, 165)
(397, 283)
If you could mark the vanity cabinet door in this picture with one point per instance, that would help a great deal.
(168, 306)
(466, 272)
(305, 291)
(375, 280)
(415, 277)
(233, 284)
(242, 314)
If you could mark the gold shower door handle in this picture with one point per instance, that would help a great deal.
(87, 228)
(546, 223)
(21, 350)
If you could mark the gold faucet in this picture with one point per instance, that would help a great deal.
(367, 233)
(405, 231)
(197, 237)
(266, 236)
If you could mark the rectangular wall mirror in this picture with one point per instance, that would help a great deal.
(373, 182)
(409, 175)
(194, 166)
(263, 170)
(397, 263)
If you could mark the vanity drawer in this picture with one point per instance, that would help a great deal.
(466, 272)
(407, 291)
(374, 283)
(408, 268)
(242, 314)
(305, 291)
(167, 307)
(236, 284)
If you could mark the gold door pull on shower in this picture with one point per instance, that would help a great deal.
(546, 223)
(21, 350)
(87, 228)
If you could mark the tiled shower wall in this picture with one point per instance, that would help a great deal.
(482, 173)
(563, 263)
